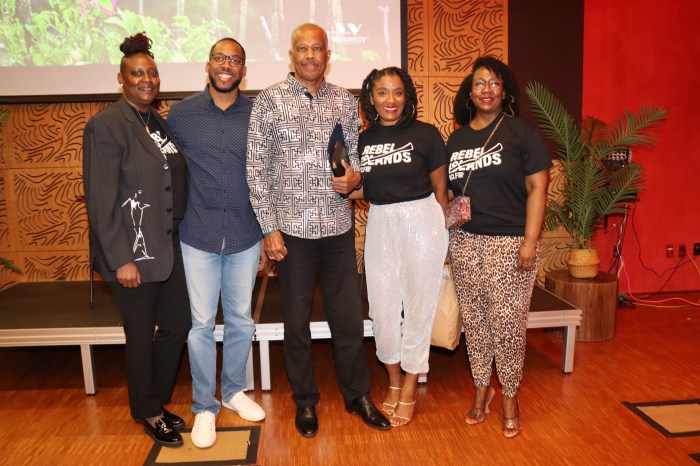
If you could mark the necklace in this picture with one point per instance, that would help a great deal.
(148, 119)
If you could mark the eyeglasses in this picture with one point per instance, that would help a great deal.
(493, 85)
(219, 59)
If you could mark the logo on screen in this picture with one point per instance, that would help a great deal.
(348, 33)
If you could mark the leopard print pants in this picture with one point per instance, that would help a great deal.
(494, 300)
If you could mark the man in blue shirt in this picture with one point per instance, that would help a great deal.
(220, 237)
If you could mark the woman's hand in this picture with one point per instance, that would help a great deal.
(527, 253)
(128, 275)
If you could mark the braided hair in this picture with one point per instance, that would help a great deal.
(410, 108)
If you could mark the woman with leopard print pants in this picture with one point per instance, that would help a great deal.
(495, 255)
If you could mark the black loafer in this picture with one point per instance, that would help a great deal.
(306, 421)
(371, 416)
(163, 434)
(175, 421)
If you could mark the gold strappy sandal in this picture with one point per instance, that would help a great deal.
(477, 415)
(399, 421)
(511, 425)
(389, 408)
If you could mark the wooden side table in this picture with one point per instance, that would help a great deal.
(597, 298)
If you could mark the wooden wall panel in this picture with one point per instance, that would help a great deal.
(5, 243)
(444, 39)
(463, 31)
(50, 215)
(41, 267)
(417, 23)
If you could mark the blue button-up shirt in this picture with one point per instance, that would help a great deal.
(219, 217)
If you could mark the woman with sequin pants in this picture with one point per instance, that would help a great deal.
(403, 163)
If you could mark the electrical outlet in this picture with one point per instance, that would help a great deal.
(681, 250)
(669, 250)
(696, 249)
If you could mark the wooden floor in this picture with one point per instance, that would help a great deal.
(567, 419)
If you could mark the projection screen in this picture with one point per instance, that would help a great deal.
(71, 47)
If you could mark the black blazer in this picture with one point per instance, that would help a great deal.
(128, 193)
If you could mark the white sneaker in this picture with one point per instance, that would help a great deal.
(204, 431)
(245, 407)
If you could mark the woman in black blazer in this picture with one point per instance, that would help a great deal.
(136, 189)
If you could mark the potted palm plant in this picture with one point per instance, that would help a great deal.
(590, 190)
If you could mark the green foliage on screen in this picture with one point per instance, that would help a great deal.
(86, 32)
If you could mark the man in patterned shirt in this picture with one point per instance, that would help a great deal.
(306, 223)
(220, 237)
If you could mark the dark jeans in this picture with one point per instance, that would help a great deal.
(153, 356)
(332, 260)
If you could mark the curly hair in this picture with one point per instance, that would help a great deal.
(464, 110)
(410, 108)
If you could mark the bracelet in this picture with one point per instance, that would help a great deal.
(359, 185)
(524, 244)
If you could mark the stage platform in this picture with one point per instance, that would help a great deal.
(59, 314)
(546, 311)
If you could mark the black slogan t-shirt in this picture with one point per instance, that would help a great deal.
(396, 161)
(497, 184)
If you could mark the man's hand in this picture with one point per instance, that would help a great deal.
(274, 246)
(346, 183)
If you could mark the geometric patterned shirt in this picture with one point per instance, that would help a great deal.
(287, 166)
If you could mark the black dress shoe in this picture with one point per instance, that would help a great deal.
(163, 434)
(306, 421)
(175, 421)
(371, 416)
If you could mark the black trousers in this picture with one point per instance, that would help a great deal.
(153, 355)
(333, 261)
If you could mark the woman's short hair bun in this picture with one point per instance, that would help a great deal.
(138, 43)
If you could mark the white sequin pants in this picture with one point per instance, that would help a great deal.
(405, 249)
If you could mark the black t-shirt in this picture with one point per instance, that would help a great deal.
(396, 161)
(497, 185)
(178, 171)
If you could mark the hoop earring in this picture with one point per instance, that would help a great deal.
(470, 113)
(376, 118)
(413, 109)
(510, 113)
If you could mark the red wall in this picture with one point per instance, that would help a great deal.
(639, 53)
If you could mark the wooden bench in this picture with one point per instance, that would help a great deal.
(546, 310)
(59, 314)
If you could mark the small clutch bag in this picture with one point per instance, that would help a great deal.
(458, 212)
